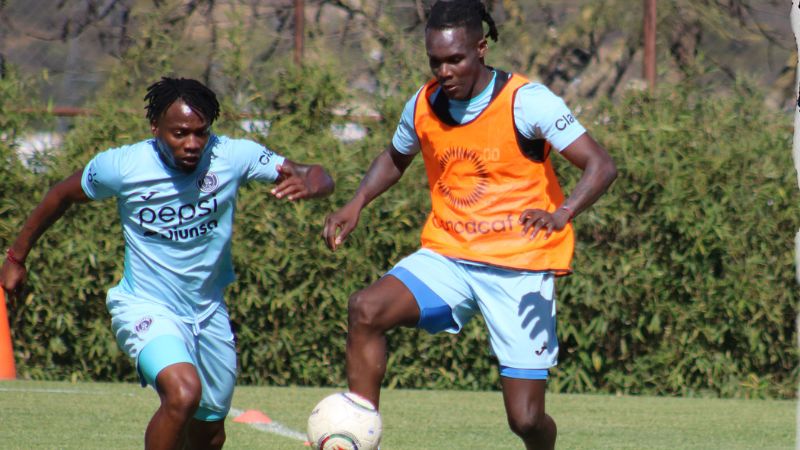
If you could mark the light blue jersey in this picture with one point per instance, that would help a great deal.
(178, 225)
(538, 113)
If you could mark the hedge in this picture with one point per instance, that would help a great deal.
(684, 279)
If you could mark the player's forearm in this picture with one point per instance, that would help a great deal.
(597, 177)
(321, 184)
(383, 173)
(50, 209)
(41, 218)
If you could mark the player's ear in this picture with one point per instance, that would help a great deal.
(154, 128)
(483, 47)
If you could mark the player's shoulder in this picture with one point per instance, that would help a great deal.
(128, 155)
(537, 99)
(410, 104)
(145, 145)
(417, 93)
(240, 151)
(537, 90)
(113, 166)
(230, 146)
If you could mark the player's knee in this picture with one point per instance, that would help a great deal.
(363, 312)
(185, 400)
(182, 396)
(528, 424)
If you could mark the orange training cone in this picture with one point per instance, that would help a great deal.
(7, 369)
(252, 416)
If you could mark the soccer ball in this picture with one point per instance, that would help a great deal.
(344, 421)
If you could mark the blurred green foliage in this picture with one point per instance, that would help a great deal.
(684, 271)
(685, 277)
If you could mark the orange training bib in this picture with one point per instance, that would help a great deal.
(482, 175)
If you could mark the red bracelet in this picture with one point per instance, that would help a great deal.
(10, 256)
(568, 210)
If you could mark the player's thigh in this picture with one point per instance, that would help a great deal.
(520, 313)
(385, 304)
(438, 287)
(216, 366)
(151, 334)
(524, 399)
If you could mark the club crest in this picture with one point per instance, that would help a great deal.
(143, 325)
(208, 182)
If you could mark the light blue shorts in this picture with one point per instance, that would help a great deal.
(519, 307)
(155, 338)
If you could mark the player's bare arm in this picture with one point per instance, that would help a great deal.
(386, 169)
(599, 171)
(51, 208)
(298, 181)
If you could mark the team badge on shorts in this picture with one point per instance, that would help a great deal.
(143, 325)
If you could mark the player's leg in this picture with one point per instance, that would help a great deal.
(371, 312)
(215, 353)
(204, 435)
(183, 417)
(179, 389)
(160, 344)
(520, 312)
(422, 290)
(524, 401)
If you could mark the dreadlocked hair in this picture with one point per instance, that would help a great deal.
(461, 13)
(162, 94)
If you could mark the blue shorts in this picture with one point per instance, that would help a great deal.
(155, 337)
(519, 307)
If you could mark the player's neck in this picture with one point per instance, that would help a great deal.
(483, 80)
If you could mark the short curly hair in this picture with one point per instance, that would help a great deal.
(469, 14)
(163, 93)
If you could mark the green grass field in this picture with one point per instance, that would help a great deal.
(52, 415)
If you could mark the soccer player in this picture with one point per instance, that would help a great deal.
(176, 196)
(499, 230)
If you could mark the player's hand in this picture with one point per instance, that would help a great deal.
(535, 220)
(291, 183)
(339, 225)
(12, 280)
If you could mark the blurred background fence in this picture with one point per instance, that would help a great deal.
(580, 48)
